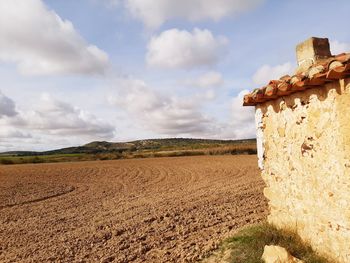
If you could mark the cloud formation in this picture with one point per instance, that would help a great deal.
(207, 80)
(266, 73)
(51, 120)
(169, 115)
(153, 13)
(240, 123)
(39, 42)
(183, 49)
(7, 133)
(7, 106)
(243, 118)
(165, 115)
(57, 117)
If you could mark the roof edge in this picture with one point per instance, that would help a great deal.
(329, 70)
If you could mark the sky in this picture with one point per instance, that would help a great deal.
(78, 71)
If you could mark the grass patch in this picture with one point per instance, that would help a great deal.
(247, 246)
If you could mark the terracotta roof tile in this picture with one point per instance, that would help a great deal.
(334, 68)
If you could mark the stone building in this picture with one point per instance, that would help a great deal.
(303, 137)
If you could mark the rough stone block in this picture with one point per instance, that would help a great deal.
(312, 50)
(276, 254)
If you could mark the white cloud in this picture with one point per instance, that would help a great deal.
(153, 13)
(182, 49)
(12, 133)
(57, 117)
(39, 42)
(242, 117)
(161, 114)
(169, 115)
(339, 47)
(7, 106)
(207, 80)
(266, 73)
(240, 124)
(50, 122)
(209, 94)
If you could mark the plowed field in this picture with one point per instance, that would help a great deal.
(145, 210)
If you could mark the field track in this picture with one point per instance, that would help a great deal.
(145, 210)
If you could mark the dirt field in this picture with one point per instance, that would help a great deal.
(146, 210)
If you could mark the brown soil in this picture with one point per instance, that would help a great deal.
(146, 210)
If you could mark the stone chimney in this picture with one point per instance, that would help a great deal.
(312, 51)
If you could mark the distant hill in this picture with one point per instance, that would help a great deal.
(134, 146)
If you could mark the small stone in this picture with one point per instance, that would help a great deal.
(119, 232)
(276, 254)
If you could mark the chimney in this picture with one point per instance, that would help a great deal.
(311, 51)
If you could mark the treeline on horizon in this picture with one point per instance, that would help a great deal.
(136, 149)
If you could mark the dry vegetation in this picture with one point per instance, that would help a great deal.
(140, 210)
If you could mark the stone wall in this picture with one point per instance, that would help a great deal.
(306, 165)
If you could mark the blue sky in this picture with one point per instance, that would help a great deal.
(117, 70)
